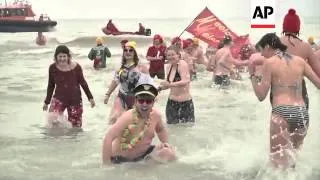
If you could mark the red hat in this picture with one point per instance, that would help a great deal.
(124, 41)
(175, 40)
(158, 37)
(291, 22)
(187, 43)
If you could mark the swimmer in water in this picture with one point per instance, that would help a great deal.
(130, 138)
(225, 63)
(283, 73)
(180, 108)
(127, 76)
(99, 54)
(65, 79)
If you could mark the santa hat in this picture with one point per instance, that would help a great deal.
(291, 22)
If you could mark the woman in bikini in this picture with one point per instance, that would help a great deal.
(130, 138)
(128, 77)
(283, 73)
(65, 79)
(180, 108)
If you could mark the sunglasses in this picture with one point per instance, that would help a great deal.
(128, 50)
(147, 101)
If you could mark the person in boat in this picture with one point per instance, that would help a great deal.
(179, 108)
(283, 73)
(297, 47)
(127, 76)
(142, 29)
(156, 57)
(123, 43)
(65, 79)
(99, 54)
(130, 138)
(111, 28)
(41, 18)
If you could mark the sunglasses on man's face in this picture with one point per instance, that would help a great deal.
(147, 101)
(128, 50)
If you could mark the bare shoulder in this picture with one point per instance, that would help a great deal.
(156, 113)
(127, 113)
(125, 117)
(270, 61)
(299, 60)
(183, 63)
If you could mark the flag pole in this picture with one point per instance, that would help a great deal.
(192, 22)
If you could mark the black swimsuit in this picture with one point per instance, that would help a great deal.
(177, 76)
(179, 112)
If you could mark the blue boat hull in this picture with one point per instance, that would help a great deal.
(13, 26)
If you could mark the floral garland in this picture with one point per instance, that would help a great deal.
(128, 143)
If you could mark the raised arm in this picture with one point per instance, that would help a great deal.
(261, 84)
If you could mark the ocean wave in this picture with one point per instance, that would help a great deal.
(109, 40)
(81, 41)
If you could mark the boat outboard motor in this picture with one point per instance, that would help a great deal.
(147, 32)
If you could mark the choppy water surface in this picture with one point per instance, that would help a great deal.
(230, 140)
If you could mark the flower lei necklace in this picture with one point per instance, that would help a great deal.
(128, 142)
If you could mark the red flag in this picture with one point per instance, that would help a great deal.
(210, 29)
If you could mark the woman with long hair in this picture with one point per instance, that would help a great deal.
(127, 76)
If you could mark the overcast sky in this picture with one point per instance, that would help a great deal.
(59, 9)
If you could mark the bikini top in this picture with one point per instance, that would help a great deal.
(177, 76)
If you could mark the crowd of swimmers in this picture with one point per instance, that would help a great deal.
(278, 64)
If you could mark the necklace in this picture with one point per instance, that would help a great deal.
(131, 135)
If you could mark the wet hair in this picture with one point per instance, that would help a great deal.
(273, 41)
(135, 58)
(62, 49)
(257, 47)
